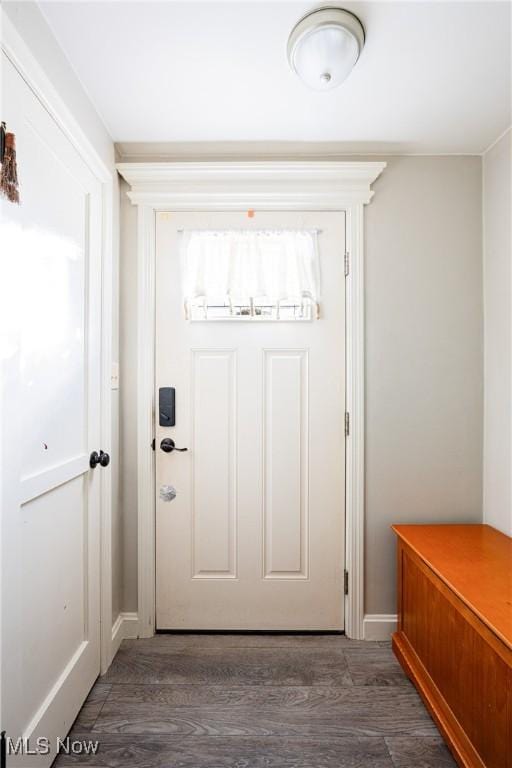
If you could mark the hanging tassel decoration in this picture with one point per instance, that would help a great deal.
(2, 141)
(9, 172)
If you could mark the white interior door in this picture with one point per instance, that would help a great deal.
(255, 536)
(51, 331)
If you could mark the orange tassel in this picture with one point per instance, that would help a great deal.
(9, 172)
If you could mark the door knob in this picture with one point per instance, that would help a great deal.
(104, 459)
(168, 445)
(101, 458)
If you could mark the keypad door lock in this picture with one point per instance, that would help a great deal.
(167, 407)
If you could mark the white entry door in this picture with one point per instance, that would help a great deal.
(50, 350)
(254, 538)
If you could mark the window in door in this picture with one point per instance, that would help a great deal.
(250, 275)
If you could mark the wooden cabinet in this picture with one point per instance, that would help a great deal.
(454, 636)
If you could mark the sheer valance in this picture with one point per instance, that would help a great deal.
(250, 267)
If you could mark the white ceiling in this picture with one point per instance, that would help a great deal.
(434, 77)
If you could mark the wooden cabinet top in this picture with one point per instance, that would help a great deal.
(475, 561)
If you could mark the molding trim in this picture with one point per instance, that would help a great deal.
(225, 186)
(29, 68)
(355, 406)
(116, 639)
(497, 140)
(146, 506)
(125, 627)
(324, 185)
(379, 626)
(106, 426)
(21, 57)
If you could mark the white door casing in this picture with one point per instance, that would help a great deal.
(238, 186)
(254, 538)
(51, 406)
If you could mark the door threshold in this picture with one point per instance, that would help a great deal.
(338, 632)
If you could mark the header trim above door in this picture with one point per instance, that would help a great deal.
(326, 186)
(231, 186)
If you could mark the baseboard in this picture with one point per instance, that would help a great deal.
(125, 626)
(379, 626)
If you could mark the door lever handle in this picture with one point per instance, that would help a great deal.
(168, 445)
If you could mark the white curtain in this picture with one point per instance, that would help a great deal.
(248, 266)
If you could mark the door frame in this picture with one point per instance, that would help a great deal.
(30, 70)
(242, 186)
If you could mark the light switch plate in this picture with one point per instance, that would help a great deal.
(114, 376)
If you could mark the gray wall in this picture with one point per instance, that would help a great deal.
(128, 399)
(497, 165)
(423, 355)
(32, 27)
(424, 359)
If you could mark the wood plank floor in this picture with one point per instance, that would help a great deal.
(256, 701)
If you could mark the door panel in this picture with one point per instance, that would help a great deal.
(214, 515)
(285, 462)
(46, 591)
(255, 536)
(50, 395)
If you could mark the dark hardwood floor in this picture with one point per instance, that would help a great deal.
(256, 701)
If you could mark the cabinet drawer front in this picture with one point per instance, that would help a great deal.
(469, 665)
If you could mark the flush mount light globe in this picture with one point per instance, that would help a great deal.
(324, 46)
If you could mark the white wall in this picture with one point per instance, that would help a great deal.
(424, 359)
(32, 27)
(497, 205)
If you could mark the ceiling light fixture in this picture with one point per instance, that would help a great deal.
(324, 46)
